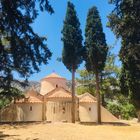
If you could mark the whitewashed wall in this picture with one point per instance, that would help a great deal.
(49, 84)
(29, 112)
(87, 115)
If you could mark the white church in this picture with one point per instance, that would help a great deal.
(52, 103)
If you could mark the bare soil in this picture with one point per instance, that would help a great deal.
(125, 130)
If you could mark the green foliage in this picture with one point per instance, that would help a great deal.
(109, 81)
(112, 97)
(110, 77)
(95, 50)
(128, 111)
(111, 69)
(83, 89)
(11, 93)
(4, 102)
(124, 22)
(72, 47)
(110, 87)
(115, 102)
(72, 39)
(95, 43)
(125, 110)
(114, 108)
(124, 82)
(85, 83)
(21, 49)
(24, 50)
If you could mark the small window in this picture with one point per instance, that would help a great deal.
(89, 109)
(54, 110)
(56, 86)
(26, 99)
(30, 108)
(63, 110)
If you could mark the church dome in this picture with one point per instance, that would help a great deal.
(53, 75)
(51, 82)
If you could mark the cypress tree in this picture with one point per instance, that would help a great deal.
(124, 21)
(72, 47)
(96, 50)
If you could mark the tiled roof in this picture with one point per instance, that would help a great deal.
(53, 75)
(58, 92)
(31, 97)
(87, 98)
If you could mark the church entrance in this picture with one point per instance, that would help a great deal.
(58, 111)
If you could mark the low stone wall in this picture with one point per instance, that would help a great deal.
(21, 113)
(9, 113)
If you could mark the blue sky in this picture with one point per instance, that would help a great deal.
(51, 26)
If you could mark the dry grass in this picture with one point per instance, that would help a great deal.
(67, 131)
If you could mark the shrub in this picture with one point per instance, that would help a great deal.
(125, 111)
(114, 108)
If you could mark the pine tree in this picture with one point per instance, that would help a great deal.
(85, 82)
(72, 50)
(21, 49)
(96, 49)
(109, 84)
(124, 21)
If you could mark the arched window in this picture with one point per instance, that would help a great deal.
(56, 86)
(89, 109)
(63, 110)
(30, 108)
(54, 110)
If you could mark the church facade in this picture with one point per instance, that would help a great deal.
(52, 103)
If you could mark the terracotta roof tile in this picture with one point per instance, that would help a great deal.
(53, 75)
(87, 98)
(31, 97)
(59, 92)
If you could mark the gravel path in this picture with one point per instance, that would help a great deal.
(67, 131)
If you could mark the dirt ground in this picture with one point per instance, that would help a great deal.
(128, 130)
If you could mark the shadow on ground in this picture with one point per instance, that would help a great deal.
(4, 136)
(17, 125)
(106, 123)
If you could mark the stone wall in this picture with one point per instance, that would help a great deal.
(88, 113)
(21, 112)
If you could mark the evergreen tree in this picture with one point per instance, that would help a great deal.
(85, 82)
(72, 50)
(96, 49)
(124, 21)
(21, 49)
(110, 78)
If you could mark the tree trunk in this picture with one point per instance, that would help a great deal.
(98, 98)
(102, 96)
(73, 96)
(103, 100)
(138, 114)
